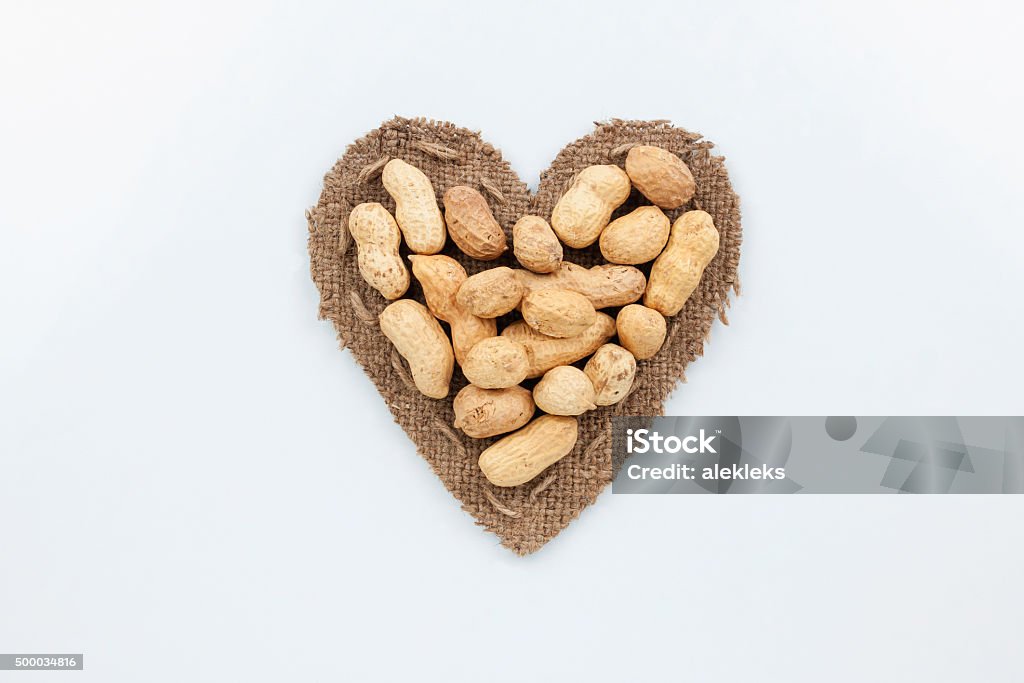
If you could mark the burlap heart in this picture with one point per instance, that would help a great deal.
(528, 516)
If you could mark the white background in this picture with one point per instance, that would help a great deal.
(195, 484)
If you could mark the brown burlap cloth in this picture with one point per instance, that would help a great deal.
(528, 516)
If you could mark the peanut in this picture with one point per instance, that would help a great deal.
(545, 352)
(606, 285)
(677, 272)
(522, 455)
(660, 175)
(441, 277)
(420, 340)
(558, 312)
(471, 224)
(486, 412)
(491, 293)
(582, 212)
(535, 244)
(641, 330)
(415, 206)
(564, 390)
(496, 363)
(611, 370)
(377, 239)
(637, 237)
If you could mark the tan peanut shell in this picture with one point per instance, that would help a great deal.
(419, 338)
(605, 285)
(677, 272)
(637, 237)
(535, 245)
(496, 363)
(641, 330)
(441, 276)
(491, 293)
(377, 239)
(611, 370)
(487, 412)
(545, 352)
(582, 212)
(415, 206)
(522, 455)
(660, 175)
(472, 225)
(558, 312)
(565, 390)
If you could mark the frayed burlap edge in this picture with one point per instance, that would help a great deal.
(528, 516)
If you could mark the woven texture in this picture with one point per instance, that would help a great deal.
(528, 516)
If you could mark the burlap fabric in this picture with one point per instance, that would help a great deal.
(528, 516)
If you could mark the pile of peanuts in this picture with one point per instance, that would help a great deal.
(559, 301)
